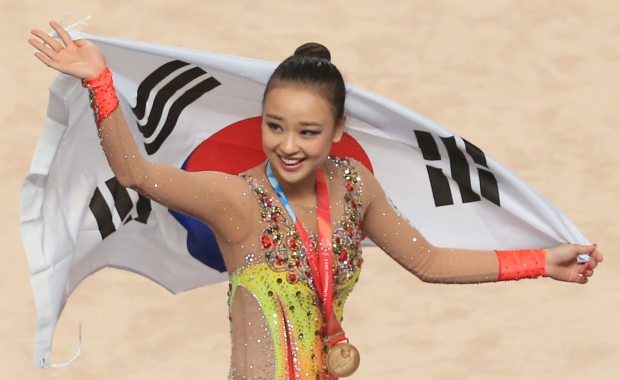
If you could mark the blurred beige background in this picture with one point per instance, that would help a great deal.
(536, 84)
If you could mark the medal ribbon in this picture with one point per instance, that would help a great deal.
(321, 266)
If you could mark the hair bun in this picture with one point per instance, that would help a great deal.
(313, 49)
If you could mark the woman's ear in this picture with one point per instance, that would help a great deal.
(339, 129)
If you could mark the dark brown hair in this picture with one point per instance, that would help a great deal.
(311, 66)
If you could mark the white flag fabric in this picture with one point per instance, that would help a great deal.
(201, 111)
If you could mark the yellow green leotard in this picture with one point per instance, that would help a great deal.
(280, 281)
(293, 316)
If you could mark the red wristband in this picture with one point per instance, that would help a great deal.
(103, 99)
(522, 263)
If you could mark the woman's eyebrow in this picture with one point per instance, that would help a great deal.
(272, 116)
(302, 123)
(311, 124)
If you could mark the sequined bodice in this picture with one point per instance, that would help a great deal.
(276, 321)
(277, 284)
(281, 245)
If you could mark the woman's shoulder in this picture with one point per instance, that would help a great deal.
(357, 178)
(348, 167)
(254, 177)
(253, 174)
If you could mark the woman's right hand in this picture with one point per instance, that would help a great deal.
(80, 58)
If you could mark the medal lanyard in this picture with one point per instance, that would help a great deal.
(320, 266)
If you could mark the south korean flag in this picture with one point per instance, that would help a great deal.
(201, 111)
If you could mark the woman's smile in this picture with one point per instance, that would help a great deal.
(291, 164)
(298, 130)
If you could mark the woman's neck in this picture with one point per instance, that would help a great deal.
(303, 192)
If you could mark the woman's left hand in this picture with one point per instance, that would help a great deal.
(562, 262)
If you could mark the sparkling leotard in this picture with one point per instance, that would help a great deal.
(276, 320)
(253, 233)
(278, 277)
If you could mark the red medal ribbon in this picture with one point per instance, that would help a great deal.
(321, 265)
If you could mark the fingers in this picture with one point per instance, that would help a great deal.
(597, 255)
(52, 42)
(593, 252)
(587, 269)
(48, 62)
(584, 273)
(48, 40)
(62, 33)
(45, 49)
(591, 265)
(585, 249)
(562, 265)
(590, 250)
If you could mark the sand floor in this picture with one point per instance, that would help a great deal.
(536, 84)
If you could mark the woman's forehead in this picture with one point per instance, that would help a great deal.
(295, 102)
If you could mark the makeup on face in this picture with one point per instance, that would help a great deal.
(298, 131)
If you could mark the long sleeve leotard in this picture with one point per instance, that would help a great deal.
(275, 313)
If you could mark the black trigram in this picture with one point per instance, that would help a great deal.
(181, 74)
(123, 205)
(459, 169)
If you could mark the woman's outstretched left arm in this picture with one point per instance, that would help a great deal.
(404, 243)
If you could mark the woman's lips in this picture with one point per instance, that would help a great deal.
(291, 164)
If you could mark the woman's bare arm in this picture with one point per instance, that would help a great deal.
(404, 243)
(217, 199)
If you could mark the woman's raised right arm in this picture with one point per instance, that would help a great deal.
(217, 199)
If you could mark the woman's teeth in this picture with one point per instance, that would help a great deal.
(290, 162)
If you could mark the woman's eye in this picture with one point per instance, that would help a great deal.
(274, 126)
(310, 133)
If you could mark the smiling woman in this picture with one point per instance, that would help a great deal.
(290, 229)
(297, 131)
(303, 114)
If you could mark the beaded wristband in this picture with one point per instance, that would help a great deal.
(522, 263)
(103, 99)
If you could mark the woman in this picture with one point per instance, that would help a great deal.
(280, 223)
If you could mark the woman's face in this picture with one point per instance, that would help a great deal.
(298, 130)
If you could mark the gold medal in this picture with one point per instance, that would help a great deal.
(343, 359)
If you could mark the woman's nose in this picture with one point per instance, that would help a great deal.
(289, 144)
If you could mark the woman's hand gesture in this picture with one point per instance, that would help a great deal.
(562, 262)
(81, 58)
